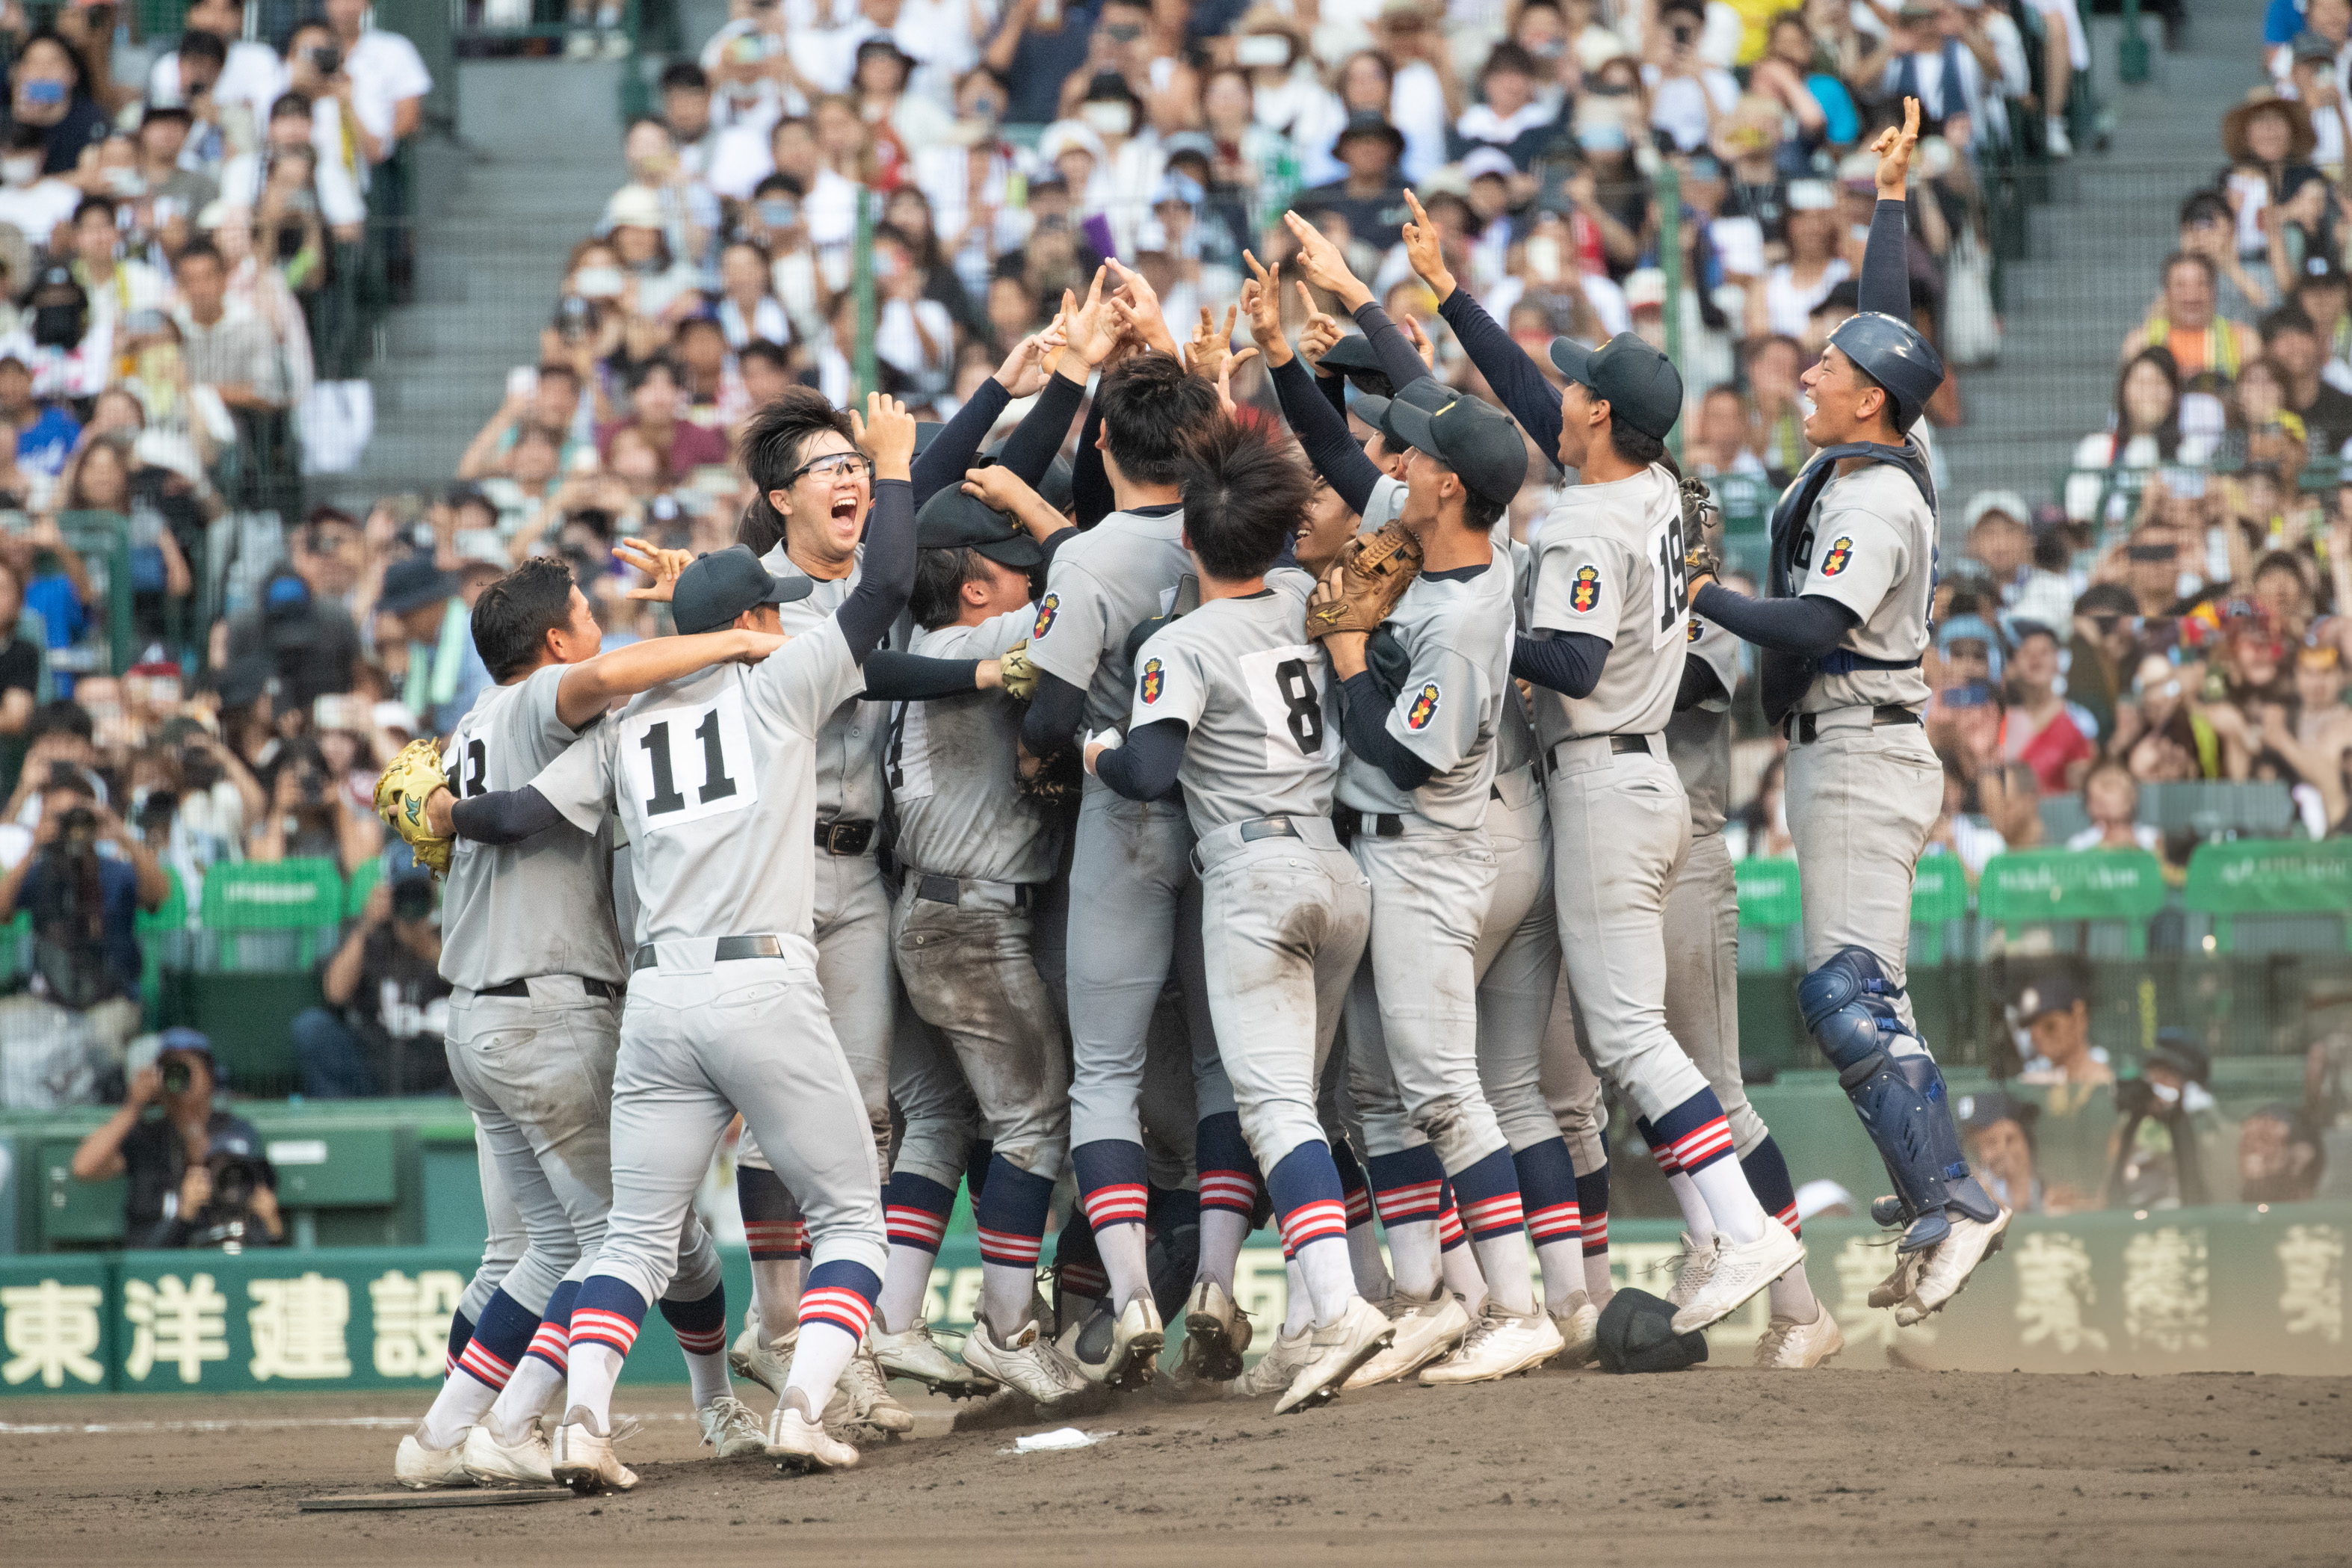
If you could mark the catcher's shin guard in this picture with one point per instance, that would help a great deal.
(1896, 1090)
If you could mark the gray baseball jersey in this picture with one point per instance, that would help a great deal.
(541, 906)
(1871, 546)
(850, 748)
(1386, 503)
(1456, 628)
(951, 772)
(1102, 585)
(1610, 564)
(1699, 739)
(1265, 733)
(714, 780)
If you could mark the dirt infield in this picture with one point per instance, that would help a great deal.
(1720, 1466)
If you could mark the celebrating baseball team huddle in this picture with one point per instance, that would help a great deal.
(1227, 819)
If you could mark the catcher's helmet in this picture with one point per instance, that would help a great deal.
(1897, 356)
(1637, 1334)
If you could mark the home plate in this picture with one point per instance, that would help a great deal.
(486, 1497)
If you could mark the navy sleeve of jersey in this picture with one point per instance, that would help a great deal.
(886, 572)
(1566, 662)
(954, 449)
(1699, 684)
(1809, 627)
(1089, 485)
(1366, 725)
(1886, 281)
(894, 677)
(1056, 710)
(503, 816)
(1145, 768)
(1398, 358)
(1508, 369)
(1029, 451)
(1337, 458)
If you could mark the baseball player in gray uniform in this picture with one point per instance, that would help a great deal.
(1130, 863)
(1606, 652)
(1230, 702)
(714, 780)
(1854, 564)
(533, 1026)
(1703, 1006)
(977, 854)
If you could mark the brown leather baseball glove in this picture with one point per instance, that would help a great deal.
(1365, 583)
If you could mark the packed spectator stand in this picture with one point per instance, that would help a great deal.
(226, 623)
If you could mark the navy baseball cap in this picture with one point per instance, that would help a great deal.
(1352, 357)
(952, 520)
(1470, 437)
(724, 583)
(1639, 384)
(2051, 994)
(1425, 393)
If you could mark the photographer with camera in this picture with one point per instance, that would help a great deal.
(83, 881)
(198, 1175)
(2166, 1122)
(387, 1005)
(309, 815)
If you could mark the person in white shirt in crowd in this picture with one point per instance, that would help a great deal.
(686, 112)
(348, 152)
(1688, 96)
(881, 83)
(33, 204)
(388, 78)
(914, 335)
(1784, 305)
(2111, 800)
(659, 279)
(690, 215)
(295, 122)
(1425, 97)
(2000, 535)
(747, 308)
(250, 79)
(802, 281)
(1512, 113)
(116, 284)
(1946, 59)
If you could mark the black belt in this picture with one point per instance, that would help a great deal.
(728, 947)
(843, 837)
(1351, 824)
(1619, 745)
(1258, 828)
(604, 988)
(950, 890)
(1807, 726)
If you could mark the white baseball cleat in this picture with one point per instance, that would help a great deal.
(493, 1463)
(1579, 1321)
(1216, 1334)
(1278, 1367)
(729, 1425)
(1738, 1272)
(1135, 1339)
(797, 1440)
(421, 1470)
(1426, 1330)
(871, 1404)
(1950, 1262)
(1333, 1353)
(1500, 1343)
(1028, 1363)
(765, 1361)
(582, 1458)
(1692, 1266)
(914, 1352)
(1790, 1344)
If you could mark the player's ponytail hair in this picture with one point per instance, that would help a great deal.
(771, 450)
(1246, 490)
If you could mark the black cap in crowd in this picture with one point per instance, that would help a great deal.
(1352, 357)
(1472, 439)
(724, 583)
(2051, 994)
(1641, 385)
(952, 520)
(414, 582)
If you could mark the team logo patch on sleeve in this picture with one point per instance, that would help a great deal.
(1690, 629)
(1840, 557)
(1425, 707)
(1155, 680)
(1585, 592)
(1046, 611)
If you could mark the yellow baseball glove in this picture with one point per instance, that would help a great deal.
(400, 797)
(1020, 675)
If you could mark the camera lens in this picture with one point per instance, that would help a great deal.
(176, 1077)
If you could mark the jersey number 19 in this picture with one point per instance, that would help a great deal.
(1670, 594)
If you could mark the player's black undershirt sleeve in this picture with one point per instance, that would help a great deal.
(1886, 281)
(1699, 684)
(1398, 356)
(1030, 450)
(1145, 767)
(1566, 662)
(503, 815)
(1056, 710)
(1806, 626)
(1365, 711)
(1334, 388)
(1508, 369)
(886, 572)
(1090, 488)
(1325, 435)
(894, 677)
(955, 448)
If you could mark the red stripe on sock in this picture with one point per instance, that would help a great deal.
(482, 1364)
(1407, 1205)
(595, 1326)
(1314, 1221)
(1449, 1230)
(845, 1310)
(1554, 1222)
(1596, 1233)
(1124, 1202)
(1012, 1248)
